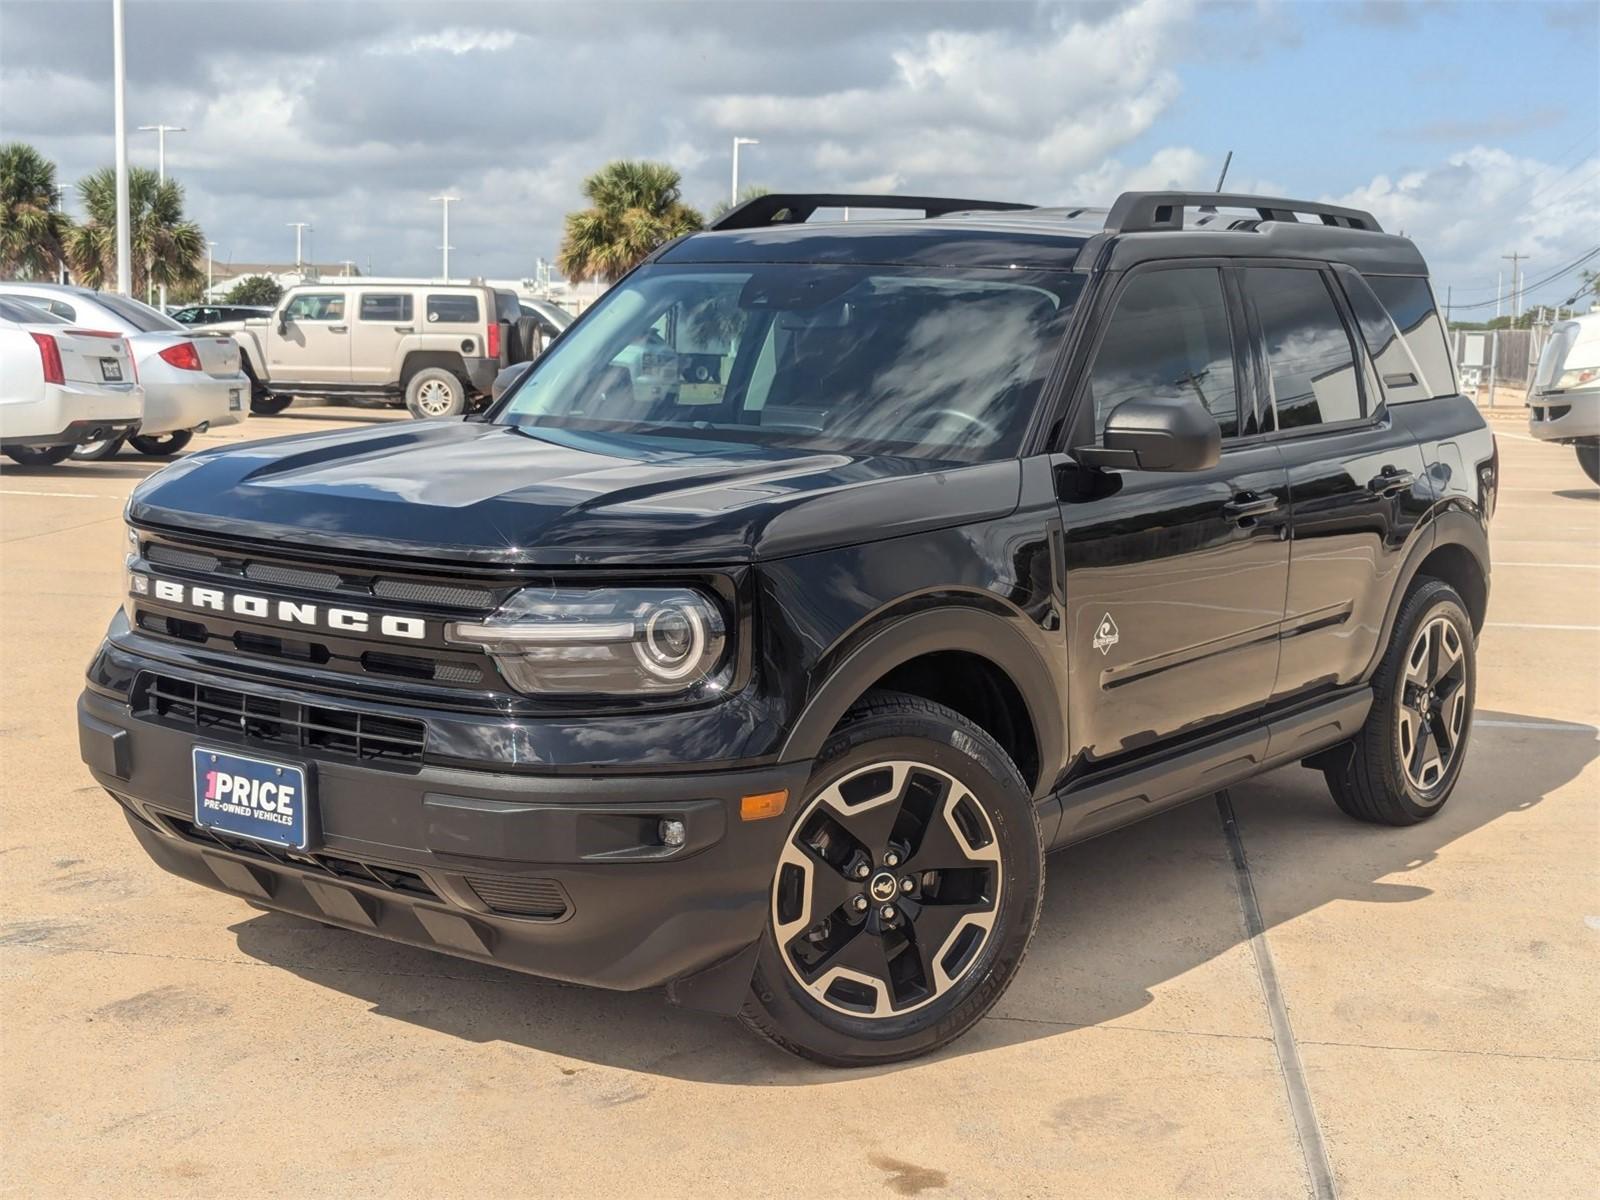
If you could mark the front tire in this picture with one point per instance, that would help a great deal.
(907, 891)
(1589, 459)
(39, 456)
(162, 445)
(1403, 765)
(434, 392)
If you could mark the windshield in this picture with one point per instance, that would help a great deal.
(914, 361)
(139, 315)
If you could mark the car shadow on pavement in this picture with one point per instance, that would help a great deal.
(1578, 493)
(1123, 915)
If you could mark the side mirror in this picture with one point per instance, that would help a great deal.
(1157, 435)
(283, 322)
(508, 378)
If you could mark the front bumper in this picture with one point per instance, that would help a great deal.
(172, 404)
(559, 876)
(1564, 416)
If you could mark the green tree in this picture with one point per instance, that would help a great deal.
(255, 289)
(33, 231)
(167, 248)
(634, 208)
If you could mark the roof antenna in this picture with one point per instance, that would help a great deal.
(1207, 211)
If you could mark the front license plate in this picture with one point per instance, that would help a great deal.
(235, 399)
(110, 370)
(251, 798)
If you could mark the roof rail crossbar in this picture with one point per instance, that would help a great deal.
(1139, 212)
(796, 208)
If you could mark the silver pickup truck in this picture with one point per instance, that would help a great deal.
(436, 346)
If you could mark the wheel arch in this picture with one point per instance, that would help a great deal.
(1457, 552)
(421, 360)
(969, 659)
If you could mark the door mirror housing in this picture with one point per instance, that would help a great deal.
(1157, 435)
(507, 379)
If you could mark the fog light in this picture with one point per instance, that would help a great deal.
(672, 832)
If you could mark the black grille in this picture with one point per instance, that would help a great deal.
(295, 577)
(183, 560)
(258, 720)
(433, 593)
(392, 878)
(542, 898)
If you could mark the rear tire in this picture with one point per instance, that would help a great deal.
(265, 404)
(434, 393)
(915, 948)
(1589, 459)
(39, 456)
(98, 451)
(161, 445)
(1403, 765)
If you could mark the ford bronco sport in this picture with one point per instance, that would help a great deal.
(436, 346)
(982, 534)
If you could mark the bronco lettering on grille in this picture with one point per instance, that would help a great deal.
(289, 612)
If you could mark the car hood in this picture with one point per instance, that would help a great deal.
(468, 490)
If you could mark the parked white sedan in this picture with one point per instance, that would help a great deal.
(192, 380)
(61, 386)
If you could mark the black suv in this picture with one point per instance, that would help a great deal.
(765, 635)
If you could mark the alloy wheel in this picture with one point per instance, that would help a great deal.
(1432, 712)
(434, 397)
(887, 890)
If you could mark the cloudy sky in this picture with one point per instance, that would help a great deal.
(1473, 127)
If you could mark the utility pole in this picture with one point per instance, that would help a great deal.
(1447, 291)
(161, 132)
(733, 193)
(210, 247)
(119, 83)
(1516, 260)
(348, 264)
(444, 244)
(299, 228)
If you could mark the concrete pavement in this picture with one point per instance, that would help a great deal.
(1439, 981)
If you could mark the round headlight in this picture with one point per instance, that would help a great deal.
(674, 642)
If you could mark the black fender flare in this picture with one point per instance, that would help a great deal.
(897, 639)
(1451, 526)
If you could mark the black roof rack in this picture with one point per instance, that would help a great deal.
(798, 207)
(1139, 212)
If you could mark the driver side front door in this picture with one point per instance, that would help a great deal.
(310, 340)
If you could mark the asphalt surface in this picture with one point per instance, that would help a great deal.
(1417, 1016)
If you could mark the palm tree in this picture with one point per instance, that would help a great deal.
(635, 207)
(33, 231)
(167, 249)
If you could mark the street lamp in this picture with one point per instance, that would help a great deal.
(161, 132)
(299, 228)
(444, 244)
(210, 246)
(733, 194)
(119, 86)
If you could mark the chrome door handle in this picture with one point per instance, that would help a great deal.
(338, 328)
(405, 328)
(1390, 481)
(1248, 505)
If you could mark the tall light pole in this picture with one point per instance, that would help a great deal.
(210, 246)
(349, 265)
(161, 132)
(119, 91)
(733, 193)
(299, 228)
(444, 244)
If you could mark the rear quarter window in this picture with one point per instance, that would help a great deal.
(453, 310)
(1409, 302)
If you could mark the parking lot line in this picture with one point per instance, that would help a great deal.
(62, 495)
(1563, 566)
(1547, 726)
(1540, 625)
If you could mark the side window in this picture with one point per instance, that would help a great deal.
(1312, 363)
(385, 306)
(1168, 337)
(316, 306)
(61, 309)
(1409, 300)
(453, 310)
(1398, 372)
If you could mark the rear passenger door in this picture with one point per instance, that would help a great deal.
(383, 321)
(1356, 478)
(1174, 580)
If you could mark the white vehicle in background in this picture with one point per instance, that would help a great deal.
(193, 381)
(1564, 402)
(61, 386)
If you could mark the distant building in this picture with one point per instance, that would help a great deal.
(286, 275)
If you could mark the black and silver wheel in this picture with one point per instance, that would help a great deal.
(39, 456)
(1589, 459)
(161, 445)
(435, 392)
(99, 450)
(1403, 765)
(906, 893)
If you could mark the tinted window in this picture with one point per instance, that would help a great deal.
(1169, 338)
(386, 307)
(923, 362)
(462, 310)
(1398, 373)
(1409, 300)
(141, 316)
(1313, 365)
(316, 306)
(27, 312)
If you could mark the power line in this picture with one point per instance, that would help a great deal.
(1551, 278)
